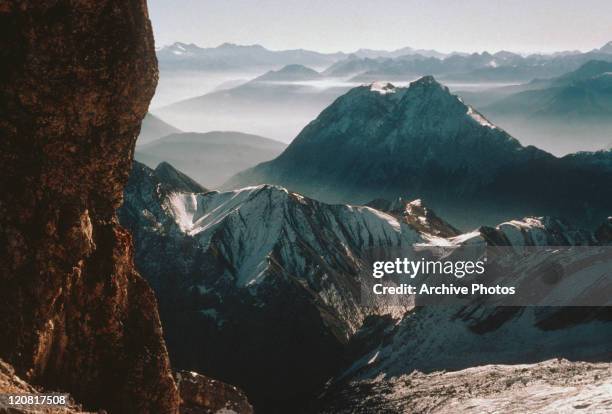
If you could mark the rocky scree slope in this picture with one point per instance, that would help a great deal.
(395, 367)
(551, 386)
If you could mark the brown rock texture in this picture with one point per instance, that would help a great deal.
(76, 78)
(203, 395)
(10, 383)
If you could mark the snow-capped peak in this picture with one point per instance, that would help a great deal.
(180, 49)
(415, 203)
(382, 88)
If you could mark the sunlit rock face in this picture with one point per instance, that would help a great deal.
(76, 79)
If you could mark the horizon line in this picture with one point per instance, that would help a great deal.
(522, 53)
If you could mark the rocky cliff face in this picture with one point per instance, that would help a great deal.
(75, 82)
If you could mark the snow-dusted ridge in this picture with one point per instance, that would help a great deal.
(247, 269)
(258, 218)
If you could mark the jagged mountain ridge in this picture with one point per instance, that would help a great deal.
(261, 264)
(475, 67)
(231, 56)
(224, 265)
(383, 142)
(242, 272)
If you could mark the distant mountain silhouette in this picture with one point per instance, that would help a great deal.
(379, 141)
(290, 73)
(584, 93)
(153, 128)
(564, 114)
(274, 105)
(210, 158)
(231, 56)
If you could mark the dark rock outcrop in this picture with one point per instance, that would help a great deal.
(417, 215)
(202, 395)
(76, 79)
(604, 232)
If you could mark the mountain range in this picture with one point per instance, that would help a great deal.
(272, 280)
(568, 113)
(381, 64)
(475, 67)
(231, 56)
(262, 274)
(379, 141)
(373, 53)
(584, 93)
(210, 158)
(276, 104)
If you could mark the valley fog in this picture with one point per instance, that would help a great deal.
(238, 100)
(177, 85)
(273, 109)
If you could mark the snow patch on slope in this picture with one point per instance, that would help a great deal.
(253, 223)
(382, 88)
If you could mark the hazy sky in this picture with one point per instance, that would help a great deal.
(332, 25)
